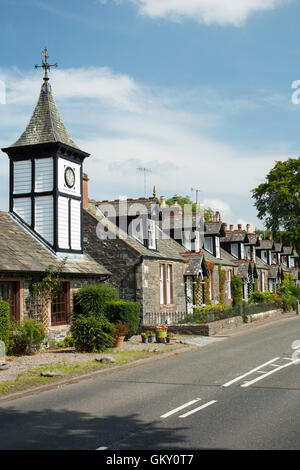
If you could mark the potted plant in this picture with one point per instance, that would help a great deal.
(144, 337)
(161, 333)
(121, 330)
(151, 336)
(171, 338)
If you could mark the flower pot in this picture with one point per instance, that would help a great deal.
(119, 341)
(151, 339)
(145, 339)
(160, 339)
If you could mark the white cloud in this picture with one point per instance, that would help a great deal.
(221, 12)
(126, 125)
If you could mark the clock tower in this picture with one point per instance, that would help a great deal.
(46, 177)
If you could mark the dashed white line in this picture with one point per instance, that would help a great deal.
(198, 409)
(185, 405)
(227, 384)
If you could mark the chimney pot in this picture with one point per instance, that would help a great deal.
(239, 227)
(225, 227)
(231, 228)
(248, 228)
(85, 192)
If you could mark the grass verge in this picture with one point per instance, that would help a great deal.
(32, 377)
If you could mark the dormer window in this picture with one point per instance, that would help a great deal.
(151, 234)
(137, 230)
(234, 249)
(242, 251)
(186, 240)
(209, 244)
(274, 258)
(284, 260)
(292, 262)
(264, 256)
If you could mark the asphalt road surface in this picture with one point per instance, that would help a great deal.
(239, 393)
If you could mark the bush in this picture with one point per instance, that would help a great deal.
(92, 333)
(92, 298)
(258, 297)
(289, 293)
(24, 336)
(237, 290)
(4, 322)
(126, 312)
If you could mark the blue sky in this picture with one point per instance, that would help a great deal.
(199, 91)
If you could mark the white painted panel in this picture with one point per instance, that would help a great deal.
(75, 225)
(63, 164)
(44, 217)
(22, 207)
(63, 222)
(43, 174)
(22, 177)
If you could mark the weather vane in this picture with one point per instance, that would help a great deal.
(45, 64)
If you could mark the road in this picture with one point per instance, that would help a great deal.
(239, 393)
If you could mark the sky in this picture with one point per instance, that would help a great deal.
(203, 93)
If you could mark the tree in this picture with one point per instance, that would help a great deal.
(278, 199)
(185, 203)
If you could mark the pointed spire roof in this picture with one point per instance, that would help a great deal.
(45, 125)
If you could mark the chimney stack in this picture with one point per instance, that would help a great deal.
(248, 228)
(271, 236)
(225, 227)
(85, 192)
(239, 227)
(231, 226)
(163, 203)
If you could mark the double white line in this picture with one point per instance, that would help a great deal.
(185, 405)
(258, 369)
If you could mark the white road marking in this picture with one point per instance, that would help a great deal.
(198, 409)
(227, 384)
(180, 408)
(267, 374)
(101, 448)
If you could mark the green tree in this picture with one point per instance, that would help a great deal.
(186, 204)
(277, 200)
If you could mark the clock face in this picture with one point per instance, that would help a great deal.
(70, 177)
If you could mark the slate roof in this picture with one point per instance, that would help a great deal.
(287, 250)
(235, 236)
(265, 245)
(21, 253)
(226, 259)
(196, 266)
(260, 264)
(275, 272)
(277, 247)
(167, 248)
(246, 268)
(253, 239)
(45, 125)
(214, 228)
(142, 205)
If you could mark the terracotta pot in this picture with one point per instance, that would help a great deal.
(119, 342)
(171, 340)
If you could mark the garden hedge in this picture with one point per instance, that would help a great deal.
(126, 312)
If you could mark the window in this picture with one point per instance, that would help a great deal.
(284, 260)
(151, 234)
(248, 252)
(264, 256)
(218, 255)
(137, 230)
(234, 248)
(186, 240)
(242, 251)
(8, 292)
(292, 262)
(197, 241)
(274, 258)
(60, 306)
(209, 244)
(166, 284)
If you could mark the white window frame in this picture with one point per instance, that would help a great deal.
(151, 232)
(218, 248)
(138, 235)
(209, 244)
(229, 284)
(234, 249)
(197, 241)
(242, 251)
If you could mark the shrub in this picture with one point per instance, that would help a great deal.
(92, 333)
(24, 336)
(92, 298)
(258, 297)
(289, 293)
(237, 290)
(126, 312)
(4, 322)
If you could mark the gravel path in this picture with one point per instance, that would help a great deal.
(23, 363)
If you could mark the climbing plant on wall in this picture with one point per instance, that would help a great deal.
(44, 291)
(222, 276)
